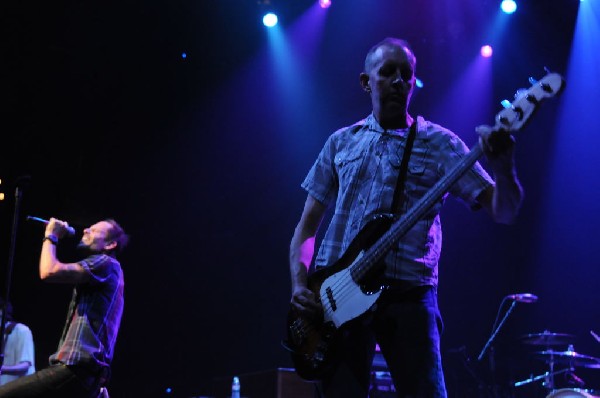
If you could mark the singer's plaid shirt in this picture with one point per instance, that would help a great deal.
(94, 316)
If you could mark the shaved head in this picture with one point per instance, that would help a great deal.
(373, 53)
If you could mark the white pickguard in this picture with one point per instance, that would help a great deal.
(350, 301)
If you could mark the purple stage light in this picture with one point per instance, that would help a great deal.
(486, 51)
(325, 3)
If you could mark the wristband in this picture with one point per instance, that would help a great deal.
(52, 239)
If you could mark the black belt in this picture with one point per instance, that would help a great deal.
(403, 287)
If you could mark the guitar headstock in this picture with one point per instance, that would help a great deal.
(517, 113)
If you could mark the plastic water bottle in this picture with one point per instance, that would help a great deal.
(235, 387)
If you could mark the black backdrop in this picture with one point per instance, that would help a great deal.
(198, 161)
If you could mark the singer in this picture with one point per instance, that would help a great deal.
(358, 171)
(81, 365)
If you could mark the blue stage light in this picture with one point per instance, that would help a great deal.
(270, 20)
(508, 6)
(184, 55)
(419, 83)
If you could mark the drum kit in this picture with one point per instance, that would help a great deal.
(560, 362)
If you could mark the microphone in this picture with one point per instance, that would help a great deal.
(523, 297)
(70, 230)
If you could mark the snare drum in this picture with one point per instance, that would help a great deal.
(571, 393)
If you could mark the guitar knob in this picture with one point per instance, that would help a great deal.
(547, 88)
(532, 99)
(519, 113)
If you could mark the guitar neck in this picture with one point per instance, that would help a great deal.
(399, 228)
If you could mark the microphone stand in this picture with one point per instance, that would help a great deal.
(9, 267)
(487, 345)
(495, 332)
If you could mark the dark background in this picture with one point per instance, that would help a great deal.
(200, 159)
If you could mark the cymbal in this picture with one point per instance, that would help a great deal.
(570, 358)
(547, 338)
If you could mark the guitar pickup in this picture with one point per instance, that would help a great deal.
(330, 298)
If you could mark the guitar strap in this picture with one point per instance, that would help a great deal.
(398, 200)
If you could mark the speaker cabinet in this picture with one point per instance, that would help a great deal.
(275, 383)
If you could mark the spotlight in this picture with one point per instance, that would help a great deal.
(486, 51)
(508, 6)
(184, 55)
(270, 20)
(325, 3)
(418, 83)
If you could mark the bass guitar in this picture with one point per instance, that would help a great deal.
(342, 288)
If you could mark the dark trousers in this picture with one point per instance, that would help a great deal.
(53, 382)
(407, 325)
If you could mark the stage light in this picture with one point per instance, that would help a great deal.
(508, 6)
(325, 3)
(184, 55)
(486, 51)
(419, 83)
(270, 20)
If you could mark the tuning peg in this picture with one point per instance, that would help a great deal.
(520, 92)
(545, 87)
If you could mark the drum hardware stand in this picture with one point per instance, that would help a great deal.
(548, 378)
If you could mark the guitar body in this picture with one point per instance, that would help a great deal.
(312, 341)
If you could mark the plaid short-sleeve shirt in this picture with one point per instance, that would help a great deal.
(357, 170)
(94, 316)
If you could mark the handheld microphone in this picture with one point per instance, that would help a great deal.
(523, 297)
(70, 230)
